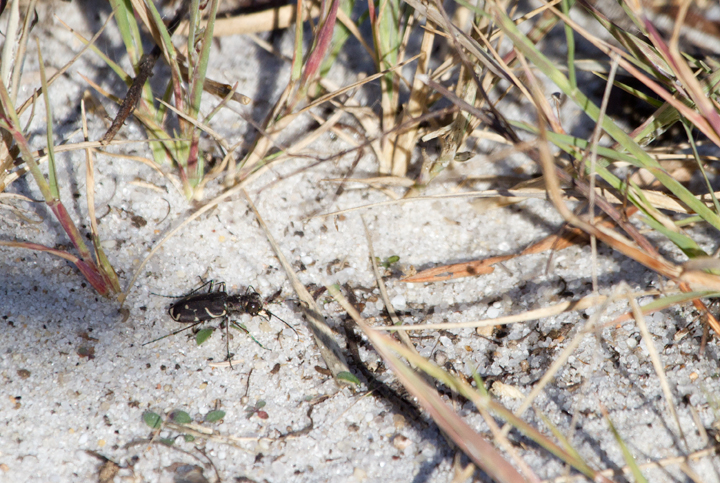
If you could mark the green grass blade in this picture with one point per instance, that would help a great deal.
(656, 103)
(696, 155)
(168, 47)
(124, 76)
(52, 172)
(523, 44)
(629, 459)
(558, 435)
(193, 27)
(575, 146)
(570, 43)
(125, 18)
(200, 70)
(12, 125)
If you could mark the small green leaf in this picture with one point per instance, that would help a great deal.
(167, 441)
(260, 404)
(151, 419)
(346, 376)
(213, 416)
(390, 260)
(180, 417)
(203, 335)
(189, 438)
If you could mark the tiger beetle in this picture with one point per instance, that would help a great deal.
(196, 308)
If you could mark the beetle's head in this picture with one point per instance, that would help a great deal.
(252, 303)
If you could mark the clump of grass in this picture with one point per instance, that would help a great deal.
(182, 146)
(95, 265)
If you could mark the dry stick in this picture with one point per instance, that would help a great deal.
(210, 435)
(469, 194)
(328, 346)
(144, 71)
(145, 68)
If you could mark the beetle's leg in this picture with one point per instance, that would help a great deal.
(209, 282)
(174, 333)
(227, 340)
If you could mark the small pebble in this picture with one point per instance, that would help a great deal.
(401, 442)
(492, 312)
(399, 302)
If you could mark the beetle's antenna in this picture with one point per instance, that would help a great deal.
(281, 320)
(205, 284)
(174, 333)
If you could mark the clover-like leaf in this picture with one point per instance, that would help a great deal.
(203, 335)
(152, 419)
(180, 417)
(213, 416)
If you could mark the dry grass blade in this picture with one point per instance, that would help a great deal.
(383, 290)
(663, 463)
(328, 346)
(265, 21)
(533, 193)
(203, 127)
(405, 142)
(335, 92)
(458, 270)
(536, 314)
(657, 364)
(473, 268)
(106, 269)
(474, 445)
